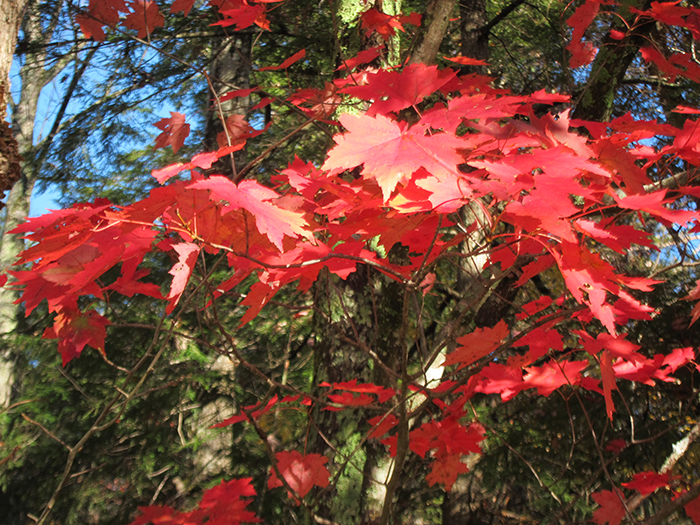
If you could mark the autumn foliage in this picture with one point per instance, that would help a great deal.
(549, 191)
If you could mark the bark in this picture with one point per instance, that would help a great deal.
(609, 68)
(230, 69)
(10, 17)
(33, 77)
(432, 31)
(474, 39)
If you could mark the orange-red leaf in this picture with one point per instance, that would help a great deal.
(300, 472)
(175, 131)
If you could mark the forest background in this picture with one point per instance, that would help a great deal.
(597, 419)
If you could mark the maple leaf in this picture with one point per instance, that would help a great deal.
(611, 510)
(477, 344)
(647, 482)
(386, 25)
(183, 6)
(221, 504)
(284, 65)
(362, 58)
(187, 255)
(175, 131)
(692, 509)
(445, 470)
(201, 160)
(547, 378)
(582, 53)
(75, 330)
(144, 18)
(381, 425)
(466, 61)
(391, 153)
(99, 14)
(270, 219)
(244, 15)
(300, 472)
(394, 91)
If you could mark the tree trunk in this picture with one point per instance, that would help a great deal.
(33, 77)
(10, 17)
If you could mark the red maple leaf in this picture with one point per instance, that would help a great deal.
(477, 344)
(647, 482)
(244, 15)
(187, 255)
(74, 330)
(144, 18)
(221, 504)
(183, 6)
(692, 509)
(391, 152)
(394, 90)
(271, 220)
(284, 65)
(175, 131)
(381, 425)
(100, 13)
(445, 470)
(611, 510)
(300, 472)
(582, 53)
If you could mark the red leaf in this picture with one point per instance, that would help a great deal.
(244, 16)
(647, 482)
(552, 375)
(466, 61)
(300, 472)
(382, 425)
(392, 91)
(477, 344)
(175, 131)
(362, 58)
(220, 504)
(391, 153)
(284, 65)
(611, 510)
(609, 384)
(100, 13)
(386, 25)
(75, 330)
(183, 6)
(145, 17)
(187, 255)
(582, 53)
(692, 509)
(270, 219)
(445, 470)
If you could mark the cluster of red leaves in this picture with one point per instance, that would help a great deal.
(559, 192)
(221, 505)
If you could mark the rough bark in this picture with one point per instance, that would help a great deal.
(608, 69)
(10, 18)
(432, 31)
(229, 69)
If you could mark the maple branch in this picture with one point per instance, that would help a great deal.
(257, 160)
(403, 424)
(673, 506)
(98, 424)
(46, 431)
(679, 450)
(501, 16)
